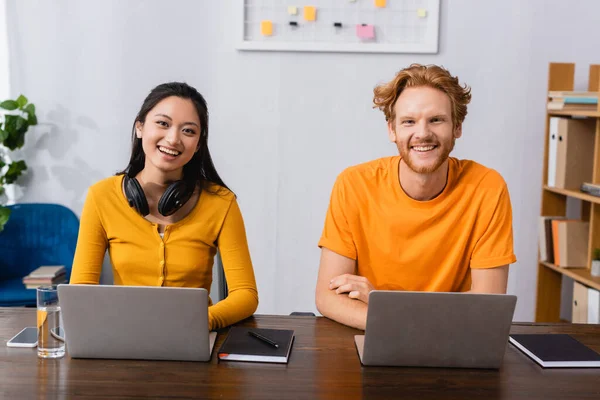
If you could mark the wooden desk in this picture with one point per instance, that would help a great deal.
(323, 365)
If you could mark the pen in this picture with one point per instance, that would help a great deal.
(264, 339)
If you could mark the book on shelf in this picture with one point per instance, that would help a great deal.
(546, 245)
(572, 93)
(258, 345)
(572, 100)
(45, 275)
(570, 242)
(556, 350)
(591, 189)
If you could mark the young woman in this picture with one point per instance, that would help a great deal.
(164, 217)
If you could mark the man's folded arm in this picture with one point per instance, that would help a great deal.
(338, 307)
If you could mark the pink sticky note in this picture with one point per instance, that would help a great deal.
(365, 31)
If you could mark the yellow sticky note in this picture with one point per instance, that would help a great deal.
(422, 13)
(380, 3)
(292, 10)
(310, 13)
(266, 28)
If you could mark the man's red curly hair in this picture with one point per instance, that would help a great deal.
(433, 76)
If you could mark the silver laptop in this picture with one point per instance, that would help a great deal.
(429, 329)
(136, 322)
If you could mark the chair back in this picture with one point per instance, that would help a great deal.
(37, 234)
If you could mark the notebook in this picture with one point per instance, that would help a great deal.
(240, 345)
(556, 350)
(47, 271)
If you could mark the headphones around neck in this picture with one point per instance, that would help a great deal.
(176, 195)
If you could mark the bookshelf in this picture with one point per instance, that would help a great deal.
(561, 77)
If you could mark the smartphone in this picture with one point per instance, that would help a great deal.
(26, 338)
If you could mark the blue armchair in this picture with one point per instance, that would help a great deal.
(36, 234)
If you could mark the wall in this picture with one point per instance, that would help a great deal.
(283, 125)
(4, 60)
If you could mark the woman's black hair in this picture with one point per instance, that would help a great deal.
(200, 169)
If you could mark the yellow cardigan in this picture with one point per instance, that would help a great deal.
(183, 257)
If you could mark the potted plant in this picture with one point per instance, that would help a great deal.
(595, 271)
(16, 116)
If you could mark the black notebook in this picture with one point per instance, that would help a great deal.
(240, 345)
(556, 350)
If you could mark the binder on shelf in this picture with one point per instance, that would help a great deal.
(571, 152)
(593, 306)
(580, 304)
(552, 147)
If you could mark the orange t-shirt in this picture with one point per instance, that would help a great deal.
(405, 244)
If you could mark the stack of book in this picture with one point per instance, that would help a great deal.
(45, 275)
(564, 242)
(575, 101)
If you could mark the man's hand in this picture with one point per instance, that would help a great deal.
(357, 287)
(341, 308)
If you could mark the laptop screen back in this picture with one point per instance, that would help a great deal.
(437, 329)
(135, 322)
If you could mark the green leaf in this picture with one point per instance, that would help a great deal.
(9, 105)
(30, 109)
(15, 169)
(3, 136)
(21, 122)
(31, 118)
(16, 126)
(10, 123)
(4, 214)
(22, 101)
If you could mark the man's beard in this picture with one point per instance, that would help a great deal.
(446, 148)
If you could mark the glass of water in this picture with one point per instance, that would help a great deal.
(51, 342)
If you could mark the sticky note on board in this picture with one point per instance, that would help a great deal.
(292, 10)
(421, 13)
(365, 31)
(266, 28)
(380, 3)
(310, 13)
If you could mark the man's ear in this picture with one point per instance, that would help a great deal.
(458, 131)
(391, 131)
(138, 129)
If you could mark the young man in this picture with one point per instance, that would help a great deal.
(420, 221)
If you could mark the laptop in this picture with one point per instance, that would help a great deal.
(136, 322)
(436, 329)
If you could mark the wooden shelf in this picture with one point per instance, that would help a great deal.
(581, 275)
(561, 77)
(573, 193)
(574, 113)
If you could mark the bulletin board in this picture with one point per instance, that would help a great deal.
(370, 26)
